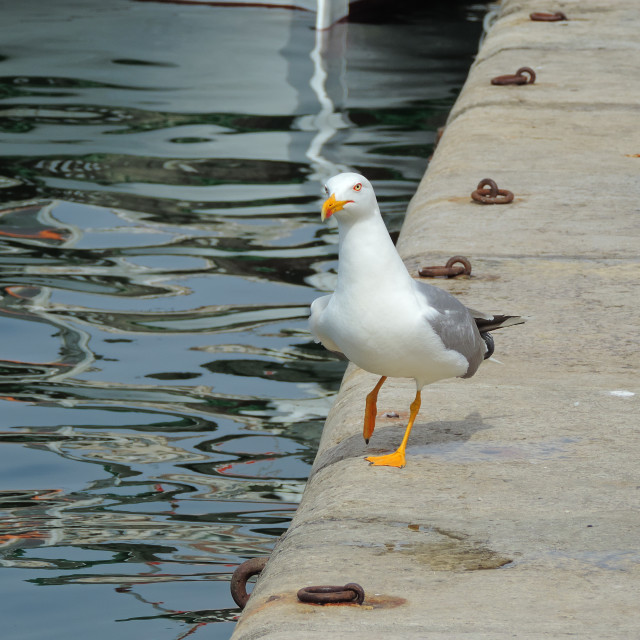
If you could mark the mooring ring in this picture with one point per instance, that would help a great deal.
(539, 16)
(524, 75)
(351, 593)
(240, 576)
(448, 270)
(492, 195)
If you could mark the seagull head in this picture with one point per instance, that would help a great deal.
(351, 194)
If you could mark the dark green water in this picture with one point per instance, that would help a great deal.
(160, 397)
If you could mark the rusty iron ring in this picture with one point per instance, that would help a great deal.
(240, 576)
(351, 593)
(547, 17)
(524, 75)
(492, 195)
(448, 270)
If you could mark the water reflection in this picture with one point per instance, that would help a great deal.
(161, 398)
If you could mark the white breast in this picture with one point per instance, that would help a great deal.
(389, 334)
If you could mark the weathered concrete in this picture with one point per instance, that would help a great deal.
(518, 514)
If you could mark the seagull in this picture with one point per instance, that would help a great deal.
(385, 321)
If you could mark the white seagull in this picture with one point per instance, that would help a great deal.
(382, 319)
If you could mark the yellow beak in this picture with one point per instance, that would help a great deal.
(331, 205)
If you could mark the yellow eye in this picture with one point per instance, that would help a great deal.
(357, 187)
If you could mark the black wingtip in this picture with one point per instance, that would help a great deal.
(491, 323)
(488, 339)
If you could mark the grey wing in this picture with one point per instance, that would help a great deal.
(454, 324)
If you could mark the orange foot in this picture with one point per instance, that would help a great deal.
(395, 459)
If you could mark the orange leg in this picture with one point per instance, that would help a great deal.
(397, 458)
(370, 410)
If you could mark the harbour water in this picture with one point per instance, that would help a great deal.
(160, 242)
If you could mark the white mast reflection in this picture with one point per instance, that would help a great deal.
(328, 57)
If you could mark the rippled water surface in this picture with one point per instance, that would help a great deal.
(160, 242)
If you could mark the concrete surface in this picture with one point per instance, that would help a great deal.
(518, 513)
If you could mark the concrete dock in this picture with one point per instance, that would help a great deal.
(518, 513)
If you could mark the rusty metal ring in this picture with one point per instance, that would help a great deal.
(524, 75)
(488, 182)
(240, 576)
(492, 195)
(547, 17)
(448, 270)
(351, 593)
(466, 265)
(527, 71)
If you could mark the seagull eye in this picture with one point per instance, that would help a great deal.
(357, 187)
(326, 190)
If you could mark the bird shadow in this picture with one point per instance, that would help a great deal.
(389, 432)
